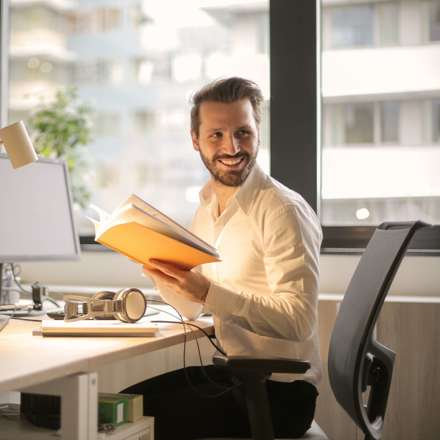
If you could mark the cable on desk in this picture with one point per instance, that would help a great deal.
(196, 326)
(22, 289)
(51, 300)
(225, 389)
(24, 319)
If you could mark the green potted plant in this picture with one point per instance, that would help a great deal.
(62, 129)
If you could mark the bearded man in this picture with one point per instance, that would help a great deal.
(262, 294)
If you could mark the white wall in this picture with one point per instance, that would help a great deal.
(417, 275)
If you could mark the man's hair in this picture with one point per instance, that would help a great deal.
(226, 90)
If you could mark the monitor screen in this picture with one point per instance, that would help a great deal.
(36, 217)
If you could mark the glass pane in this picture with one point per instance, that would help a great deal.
(388, 23)
(434, 22)
(389, 121)
(351, 25)
(436, 121)
(381, 116)
(135, 65)
(359, 123)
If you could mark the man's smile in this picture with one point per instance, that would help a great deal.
(232, 162)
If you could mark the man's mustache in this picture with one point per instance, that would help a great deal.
(228, 156)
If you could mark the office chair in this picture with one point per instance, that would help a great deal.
(358, 364)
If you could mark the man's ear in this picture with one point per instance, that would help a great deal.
(195, 141)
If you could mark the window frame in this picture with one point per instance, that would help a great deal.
(295, 72)
(4, 53)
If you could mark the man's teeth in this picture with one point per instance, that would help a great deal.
(232, 161)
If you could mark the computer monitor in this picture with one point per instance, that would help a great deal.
(36, 216)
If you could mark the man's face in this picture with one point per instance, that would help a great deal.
(228, 140)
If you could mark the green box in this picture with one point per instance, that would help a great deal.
(112, 410)
(135, 404)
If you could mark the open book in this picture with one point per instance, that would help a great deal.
(141, 232)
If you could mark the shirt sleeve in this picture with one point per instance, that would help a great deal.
(185, 307)
(291, 244)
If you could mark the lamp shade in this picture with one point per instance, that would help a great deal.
(18, 144)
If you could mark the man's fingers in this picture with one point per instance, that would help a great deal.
(168, 269)
(159, 277)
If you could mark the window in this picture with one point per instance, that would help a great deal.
(436, 121)
(136, 65)
(368, 96)
(434, 21)
(352, 26)
(387, 23)
(370, 184)
(360, 25)
(389, 121)
(349, 190)
(359, 123)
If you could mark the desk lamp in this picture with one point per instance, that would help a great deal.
(21, 152)
(18, 144)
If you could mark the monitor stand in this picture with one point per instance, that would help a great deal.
(5, 285)
(10, 296)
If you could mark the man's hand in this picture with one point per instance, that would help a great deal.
(191, 285)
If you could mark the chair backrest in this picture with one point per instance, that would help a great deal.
(356, 360)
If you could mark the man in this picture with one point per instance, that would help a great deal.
(262, 295)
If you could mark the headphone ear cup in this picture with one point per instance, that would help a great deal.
(134, 304)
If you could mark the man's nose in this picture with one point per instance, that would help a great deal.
(231, 145)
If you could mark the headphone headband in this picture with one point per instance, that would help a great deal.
(127, 305)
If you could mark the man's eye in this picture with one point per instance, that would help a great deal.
(216, 135)
(243, 133)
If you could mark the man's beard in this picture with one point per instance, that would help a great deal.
(232, 177)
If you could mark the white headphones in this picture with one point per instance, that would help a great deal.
(127, 305)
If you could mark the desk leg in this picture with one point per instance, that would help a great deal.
(79, 408)
(79, 404)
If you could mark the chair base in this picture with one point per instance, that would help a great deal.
(314, 433)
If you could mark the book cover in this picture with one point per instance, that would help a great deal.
(141, 232)
(93, 327)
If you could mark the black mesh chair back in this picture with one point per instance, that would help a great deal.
(360, 368)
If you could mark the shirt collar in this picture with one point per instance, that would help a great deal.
(246, 193)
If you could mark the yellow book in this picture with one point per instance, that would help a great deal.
(141, 232)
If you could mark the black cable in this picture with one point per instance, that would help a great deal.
(46, 298)
(24, 319)
(181, 321)
(51, 301)
(196, 326)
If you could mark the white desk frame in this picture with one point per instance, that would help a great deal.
(79, 404)
(30, 364)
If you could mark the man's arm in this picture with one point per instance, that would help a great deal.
(187, 305)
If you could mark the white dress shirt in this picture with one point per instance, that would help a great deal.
(264, 291)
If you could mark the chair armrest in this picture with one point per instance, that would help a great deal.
(263, 365)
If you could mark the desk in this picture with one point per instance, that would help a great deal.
(72, 366)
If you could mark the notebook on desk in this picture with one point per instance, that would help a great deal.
(92, 327)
